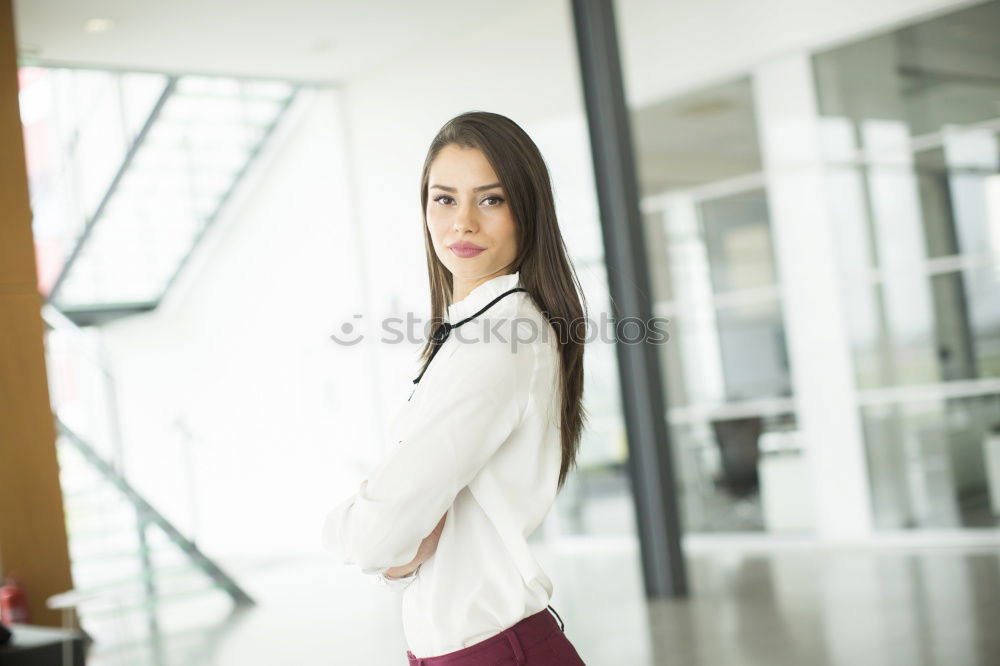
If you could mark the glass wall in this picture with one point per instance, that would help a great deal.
(715, 277)
(912, 120)
(907, 151)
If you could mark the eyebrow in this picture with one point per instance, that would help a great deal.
(475, 189)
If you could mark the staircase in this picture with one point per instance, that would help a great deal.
(177, 173)
(138, 578)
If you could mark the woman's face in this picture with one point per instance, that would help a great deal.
(467, 206)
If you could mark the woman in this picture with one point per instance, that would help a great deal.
(492, 428)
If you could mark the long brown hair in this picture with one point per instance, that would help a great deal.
(544, 265)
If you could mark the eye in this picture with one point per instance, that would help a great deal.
(441, 196)
(499, 200)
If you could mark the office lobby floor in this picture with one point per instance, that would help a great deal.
(752, 603)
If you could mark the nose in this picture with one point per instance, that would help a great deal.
(466, 219)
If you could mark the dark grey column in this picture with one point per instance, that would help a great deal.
(650, 463)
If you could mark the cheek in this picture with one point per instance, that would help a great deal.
(509, 231)
(436, 225)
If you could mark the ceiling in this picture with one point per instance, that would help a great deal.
(697, 138)
(302, 40)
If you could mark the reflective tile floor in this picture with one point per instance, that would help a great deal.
(927, 604)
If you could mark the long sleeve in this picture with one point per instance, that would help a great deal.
(479, 399)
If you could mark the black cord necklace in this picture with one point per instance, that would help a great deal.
(445, 328)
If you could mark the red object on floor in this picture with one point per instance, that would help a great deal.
(13, 603)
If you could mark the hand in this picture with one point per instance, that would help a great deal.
(427, 548)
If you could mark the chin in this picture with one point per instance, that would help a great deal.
(465, 273)
(465, 268)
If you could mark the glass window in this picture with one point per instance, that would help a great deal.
(715, 278)
(913, 135)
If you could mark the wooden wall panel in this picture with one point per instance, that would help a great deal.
(32, 526)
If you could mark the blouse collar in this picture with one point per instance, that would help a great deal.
(481, 295)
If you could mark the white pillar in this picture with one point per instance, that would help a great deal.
(973, 157)
(814, 315)
(693, 299)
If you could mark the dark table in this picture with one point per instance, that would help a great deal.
(32, 645)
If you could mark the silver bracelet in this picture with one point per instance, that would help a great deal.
(408, 578)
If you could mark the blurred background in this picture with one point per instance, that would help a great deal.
(218, 187)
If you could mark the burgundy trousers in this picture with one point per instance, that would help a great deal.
(537, 640)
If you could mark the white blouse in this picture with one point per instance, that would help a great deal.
(479, 438)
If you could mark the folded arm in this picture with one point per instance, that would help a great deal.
(480, 403)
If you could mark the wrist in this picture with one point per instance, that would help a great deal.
(394, 573)
(397, 572)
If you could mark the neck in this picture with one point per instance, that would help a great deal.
(462, 287)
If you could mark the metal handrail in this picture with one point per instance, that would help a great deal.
(151, 515)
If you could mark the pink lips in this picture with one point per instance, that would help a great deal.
(466, 249)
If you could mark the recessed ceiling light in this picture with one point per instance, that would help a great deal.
(98, 25)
